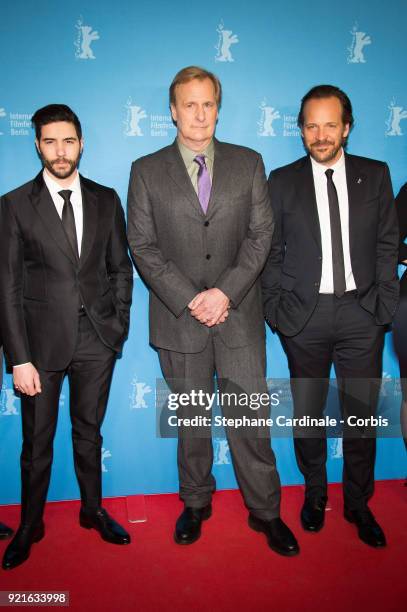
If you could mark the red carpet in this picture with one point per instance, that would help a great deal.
(229, 568)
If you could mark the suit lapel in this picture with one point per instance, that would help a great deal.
(90, 219)
(306, 195)
(356, 184)
(220, 180)
(43, 203)
(178, 173)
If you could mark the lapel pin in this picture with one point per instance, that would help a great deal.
(359, 181)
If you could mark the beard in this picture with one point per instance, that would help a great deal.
(50, 165)
(326, 156)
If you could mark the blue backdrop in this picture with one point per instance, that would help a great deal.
(112, 62)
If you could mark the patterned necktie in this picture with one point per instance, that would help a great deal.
(68, 220)
(336, 237)
(204, 182)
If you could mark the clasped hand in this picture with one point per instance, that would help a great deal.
(26, 379)
(210, 307)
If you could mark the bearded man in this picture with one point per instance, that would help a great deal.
(66, 285)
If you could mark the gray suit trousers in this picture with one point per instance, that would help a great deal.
(239, 371)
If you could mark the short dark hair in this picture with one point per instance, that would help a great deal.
(195, 72)
(327, 91)
(51, 114)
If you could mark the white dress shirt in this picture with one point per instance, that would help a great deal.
(321, 192)
(76, 200)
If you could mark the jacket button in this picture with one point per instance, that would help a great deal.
(319, 257)
(208, 256)
(206, 223)
(316, 284)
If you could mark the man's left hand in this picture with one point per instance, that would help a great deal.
(209, 307)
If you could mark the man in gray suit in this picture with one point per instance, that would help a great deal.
(200, 227)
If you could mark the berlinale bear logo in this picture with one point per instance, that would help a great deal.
(359, 41)
(397, 114)
(138, 392)
(134, 115)
(8, 402)
(2, 114)
(225, 41)
(85, 37)
(268, 115)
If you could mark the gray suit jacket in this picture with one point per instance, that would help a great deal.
(180, 251)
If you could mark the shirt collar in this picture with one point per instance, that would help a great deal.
(319, 169)
(188, 155)
(55, 187)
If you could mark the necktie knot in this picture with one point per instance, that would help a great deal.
(200, 160)
(65, 194)
(329, 174)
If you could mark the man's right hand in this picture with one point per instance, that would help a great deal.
(209, 307)
(26, 379)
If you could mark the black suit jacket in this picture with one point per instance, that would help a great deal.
(42, 283)
(292, 275)
(401, 207)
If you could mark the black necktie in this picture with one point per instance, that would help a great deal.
(336, 237)
(68, 220)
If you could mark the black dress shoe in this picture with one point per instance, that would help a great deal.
(188, 526)
(369, 530)
(313, 514)
(103, 523)
(279, 536)
(19, 548)
(5, 532)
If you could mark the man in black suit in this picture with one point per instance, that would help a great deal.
(330, 288)
(5, 532)
(66, 282)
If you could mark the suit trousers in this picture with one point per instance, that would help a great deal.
(240, 372)
(341, 332)
(400, 344)
(400, 335)
(89, 374)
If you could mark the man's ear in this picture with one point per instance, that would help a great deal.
(173, 113)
